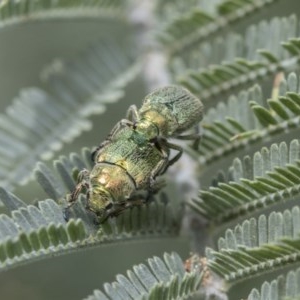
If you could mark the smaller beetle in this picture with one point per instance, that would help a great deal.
(167, 112)
(137, 151)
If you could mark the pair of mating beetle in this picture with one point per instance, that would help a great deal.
(137, 150)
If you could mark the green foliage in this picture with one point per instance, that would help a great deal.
(58, 117)
(260, 54)
(283, 287)
(188, 29)
(13, 11)
(163, 280)
(271, 177)
(258, 245)
(241, 58)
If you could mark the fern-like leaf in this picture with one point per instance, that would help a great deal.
(283, 287)
(252, 64)
(274, 178)
(183, 25)
(258, 246)
(12, 11)
(189, 29)
(53, 119)
(36, 232)
(162, 279)
(246, 121)
(240, 7)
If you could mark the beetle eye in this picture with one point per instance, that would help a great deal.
(109, 206)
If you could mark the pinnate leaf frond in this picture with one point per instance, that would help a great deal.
(267, 48)
(160, 279)
(187, 30)
(37, 232)
(50, 119)
(247, 120)
(271, 177)
(12, 11)
(283, 287)
(258, 246)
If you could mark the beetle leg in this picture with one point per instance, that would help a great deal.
(133, 114)
(194, 136)
(161, 166)
(157, 185)
(177, 156)
(83, 182)
(115, 130)
(129, 203)
(164, 146)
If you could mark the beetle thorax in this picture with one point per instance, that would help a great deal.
(147, 128)
(154, 123)
(162, 116)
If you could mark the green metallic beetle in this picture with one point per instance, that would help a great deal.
(137, 151)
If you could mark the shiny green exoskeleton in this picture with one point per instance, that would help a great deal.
(167, 112)
(137, 151)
